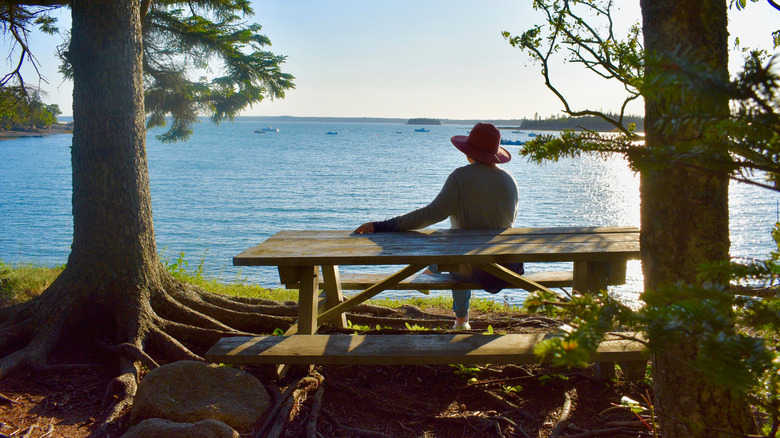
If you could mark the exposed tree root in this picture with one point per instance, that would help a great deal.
(29, 357)
(160, 316)
(316, 405)
(131, 350)
(119, 395)
(167, 307)
(7, 401)
(273, 413)
(171, 347)
(226, 301)
(292, 403)
(178, 320)
(251, 305)
(194, 334)
(563, 418)
(374, 310)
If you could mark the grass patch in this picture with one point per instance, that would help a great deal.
(242, 289)
(19, 283)
(478, 305)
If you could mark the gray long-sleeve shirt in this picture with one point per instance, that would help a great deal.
(475, 196)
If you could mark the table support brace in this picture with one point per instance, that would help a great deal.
(372, 291)
(513, 278)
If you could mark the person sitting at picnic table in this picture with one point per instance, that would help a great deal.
(479, 195)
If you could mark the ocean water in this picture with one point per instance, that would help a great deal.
(228, 188)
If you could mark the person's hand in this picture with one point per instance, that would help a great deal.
(367, 227)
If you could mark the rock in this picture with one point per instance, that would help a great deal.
(159, 428)
(189, 391)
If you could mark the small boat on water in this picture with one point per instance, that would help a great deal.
(511, 142)
(532, 134)
(269, 129)
(518, 132)
(421, 130)
(257, 131)
(332, 133)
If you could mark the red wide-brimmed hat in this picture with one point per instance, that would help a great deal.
(482, 144)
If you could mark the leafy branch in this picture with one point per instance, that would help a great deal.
(18, 21)
(597, 48)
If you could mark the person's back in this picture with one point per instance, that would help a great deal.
(489, 197)
(477, 196)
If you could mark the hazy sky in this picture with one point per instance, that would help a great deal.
(419, 58)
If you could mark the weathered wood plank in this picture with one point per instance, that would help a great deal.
(308, 301)
(329, 234)
(397, 254)
(402, 349)
(332, 286)
(369, 293)
(416, 237)
(294, 248)
(427, 281)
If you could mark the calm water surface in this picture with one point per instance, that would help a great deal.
(228, 189)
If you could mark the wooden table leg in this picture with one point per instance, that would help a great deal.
(333, 295)
(591, 277)
(307, 300)
(308, 282)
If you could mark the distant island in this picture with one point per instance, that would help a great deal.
(591, 123)
(551, 123)
(424, 121)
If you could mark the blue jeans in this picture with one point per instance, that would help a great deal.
(461, 299)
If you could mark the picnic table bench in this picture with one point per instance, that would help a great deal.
(598, 256)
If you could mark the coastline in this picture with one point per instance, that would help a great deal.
(55, 129)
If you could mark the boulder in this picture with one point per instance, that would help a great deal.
(159, 428)
(189, 391)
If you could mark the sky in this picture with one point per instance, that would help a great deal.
(419, 58)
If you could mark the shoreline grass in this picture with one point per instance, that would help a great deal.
(22, 282)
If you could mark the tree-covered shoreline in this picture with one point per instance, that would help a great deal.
(23, 111)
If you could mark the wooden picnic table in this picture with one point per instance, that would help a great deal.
(598, 254)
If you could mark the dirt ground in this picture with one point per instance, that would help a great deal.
(364, 401)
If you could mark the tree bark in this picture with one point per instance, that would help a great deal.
(684, 212)
(114, 254)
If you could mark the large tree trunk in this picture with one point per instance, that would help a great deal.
(684, 213)
(114, 290)
(113, 234)
(111, 199)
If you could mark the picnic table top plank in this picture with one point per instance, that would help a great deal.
(411, 349)
(332, 247)
(327, 234)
